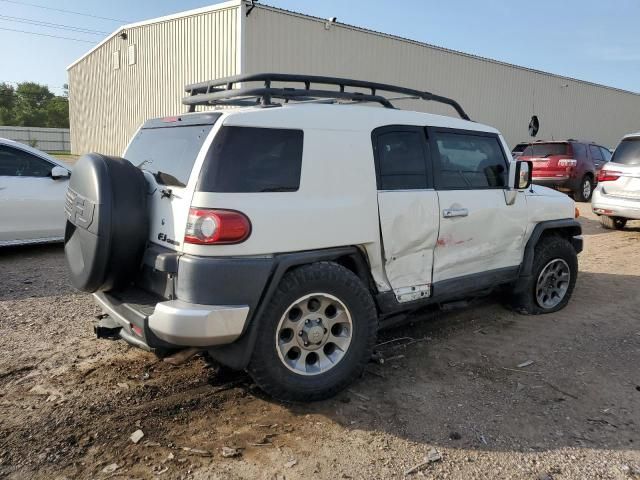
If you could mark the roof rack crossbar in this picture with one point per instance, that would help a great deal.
(221, 91)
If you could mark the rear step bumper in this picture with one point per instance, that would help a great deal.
(170, 324)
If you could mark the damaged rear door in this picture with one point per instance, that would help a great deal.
(408, 209)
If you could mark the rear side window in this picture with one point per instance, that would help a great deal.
(468, 161)
(544, 150)
(579, 151)
(401, 158)
(168, 153)
(247, 160)
(606, 154)
(628, 152)
(596, 154)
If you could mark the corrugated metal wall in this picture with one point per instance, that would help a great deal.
(46, 139)
(501, 95)
(107, 105)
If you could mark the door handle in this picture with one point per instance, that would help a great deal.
(455, 212)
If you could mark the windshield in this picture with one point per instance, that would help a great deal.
(168, 153)
(545, 149)
(628, 152)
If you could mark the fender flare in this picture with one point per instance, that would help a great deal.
(237, 355)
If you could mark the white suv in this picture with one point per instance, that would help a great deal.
(617, 198)
(280, 237)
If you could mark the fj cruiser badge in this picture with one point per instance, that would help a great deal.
(163, 238)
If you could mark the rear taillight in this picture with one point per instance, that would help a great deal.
(608, 175)
(210, 227)
(567, 162)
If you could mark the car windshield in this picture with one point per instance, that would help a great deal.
(168, 153)
(545, 149)
(628, 152)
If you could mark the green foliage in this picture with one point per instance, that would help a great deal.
(33, 105)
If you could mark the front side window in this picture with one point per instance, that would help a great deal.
(401, 157)
(18, 163)
(248, 160)
(468, 161)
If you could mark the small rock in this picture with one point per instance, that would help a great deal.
(525, 364)
(545, 476)
(124, 386)
(110, 468)
(136, 436)
(433, 456)
(290, 463)
(229, 452)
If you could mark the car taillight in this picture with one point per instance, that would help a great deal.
(608, 175)
(567, 162)
(207, 226)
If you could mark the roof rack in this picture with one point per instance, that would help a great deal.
(221, 91)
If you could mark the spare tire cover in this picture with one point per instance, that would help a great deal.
(107, 222)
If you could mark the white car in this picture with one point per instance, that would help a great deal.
(617, 197)
(279, 237)
(32, 192)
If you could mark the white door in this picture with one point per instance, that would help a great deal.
(31, 202)
(408, 208)
(479, 232)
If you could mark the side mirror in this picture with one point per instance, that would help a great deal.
(59, 172)
(523, 175)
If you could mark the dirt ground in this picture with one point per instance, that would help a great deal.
(69, 403)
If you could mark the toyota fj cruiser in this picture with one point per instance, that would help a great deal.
(280, 236)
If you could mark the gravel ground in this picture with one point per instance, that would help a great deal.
(450, 389)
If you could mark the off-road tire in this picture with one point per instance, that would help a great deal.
(579, 195)
(547, 249)
(613, 223)
(266, 367)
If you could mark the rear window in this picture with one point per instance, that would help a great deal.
(168, 153)
(546, 150)
(248, 160)
(628, 152)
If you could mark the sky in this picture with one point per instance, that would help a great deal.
(596, 41)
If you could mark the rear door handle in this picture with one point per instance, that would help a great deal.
(455, 212)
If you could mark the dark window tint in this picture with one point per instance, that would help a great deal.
(579, 150)
(401, 160)
(520, 147)
(169, 153)
(606, 154)
(596, 154)
(470, 161)
(628, 152)
(245, 159)
(18, 163)
(546, 149)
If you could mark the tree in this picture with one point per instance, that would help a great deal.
(57, 110)
(31, 104)
(7, 104)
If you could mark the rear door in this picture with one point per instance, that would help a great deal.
(32, 203)
(167, 150)
(408, 208)
(480, 234)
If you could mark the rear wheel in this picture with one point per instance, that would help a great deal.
(316, 335)
(584, 192)
(613, 223)
(553, 278)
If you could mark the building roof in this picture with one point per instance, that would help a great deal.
(235, 3)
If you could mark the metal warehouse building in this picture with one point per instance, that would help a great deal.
(141, 69)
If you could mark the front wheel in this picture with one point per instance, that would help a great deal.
(585, 190)
(316, 335)
(613, 223)
(552, 280)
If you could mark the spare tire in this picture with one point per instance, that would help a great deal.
(107, 222)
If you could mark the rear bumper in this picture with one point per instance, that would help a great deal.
(615, 206)
(173, 324)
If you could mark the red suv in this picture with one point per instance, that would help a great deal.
(568, 165)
